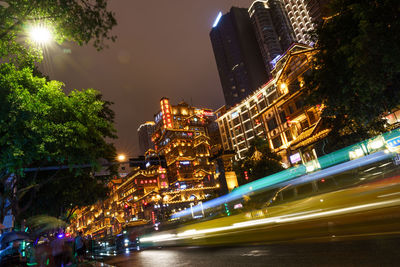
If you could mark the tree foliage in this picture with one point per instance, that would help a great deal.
(42, 126)
(259, 161)
(356, 71)
(80, 21)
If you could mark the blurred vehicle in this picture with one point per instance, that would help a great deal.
(355, 198)
(128, 240)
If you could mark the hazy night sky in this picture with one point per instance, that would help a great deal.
(162, 49)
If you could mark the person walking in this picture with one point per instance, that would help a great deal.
(80, 247)
(57, 246)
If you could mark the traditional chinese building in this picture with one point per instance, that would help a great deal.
(277, 113)
(182, 137)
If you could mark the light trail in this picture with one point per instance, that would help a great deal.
(283, 178)
(388, 195)
(294, 217)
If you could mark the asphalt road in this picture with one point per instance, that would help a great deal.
(372, 252)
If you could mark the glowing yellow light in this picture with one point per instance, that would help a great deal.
(40, 34)
(121, 157)
(284, 88)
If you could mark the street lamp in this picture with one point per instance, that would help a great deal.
(284, 88)
(121, 157)
(40, 34)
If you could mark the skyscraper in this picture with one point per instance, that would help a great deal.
(237, 54)
(317, 9)
(273, 29)
(300, 19)
(145, 132)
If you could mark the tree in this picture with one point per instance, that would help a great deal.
(259, 162)
(80, 21)
(356, 70)
(42, 126)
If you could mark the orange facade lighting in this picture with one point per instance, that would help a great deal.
(166, 113)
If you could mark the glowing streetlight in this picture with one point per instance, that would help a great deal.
(284, 88)
(121, 157)
(40, 34)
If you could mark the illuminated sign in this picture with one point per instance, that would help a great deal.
(295, 158)
(186, 162)
(217, 19)
(166, 113)
(202, 112)
(231, 180)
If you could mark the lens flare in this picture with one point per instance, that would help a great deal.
(40, 34)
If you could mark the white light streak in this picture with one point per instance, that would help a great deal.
(388, 195)
(385, 164)
(370, 169)
(217, 19)
(194, 234)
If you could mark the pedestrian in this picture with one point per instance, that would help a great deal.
(80, 247)
(57, 246)
(43, 251)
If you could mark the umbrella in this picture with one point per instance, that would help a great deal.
(6, 238)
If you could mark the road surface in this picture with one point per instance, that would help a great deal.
(373, 252)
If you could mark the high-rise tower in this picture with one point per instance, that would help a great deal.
(300, 19)
(145, 132)
(273, 29)
(237, 54)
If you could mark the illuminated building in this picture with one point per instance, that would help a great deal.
(273, 29)
(300, 19)
(145, 132)
(277, 113)
(181, 135)
(237, 54)
(132, 199)
(150, 192)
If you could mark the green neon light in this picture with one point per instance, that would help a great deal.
(325, 161)
(32, 263)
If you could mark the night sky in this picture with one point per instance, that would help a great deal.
(163, 49)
